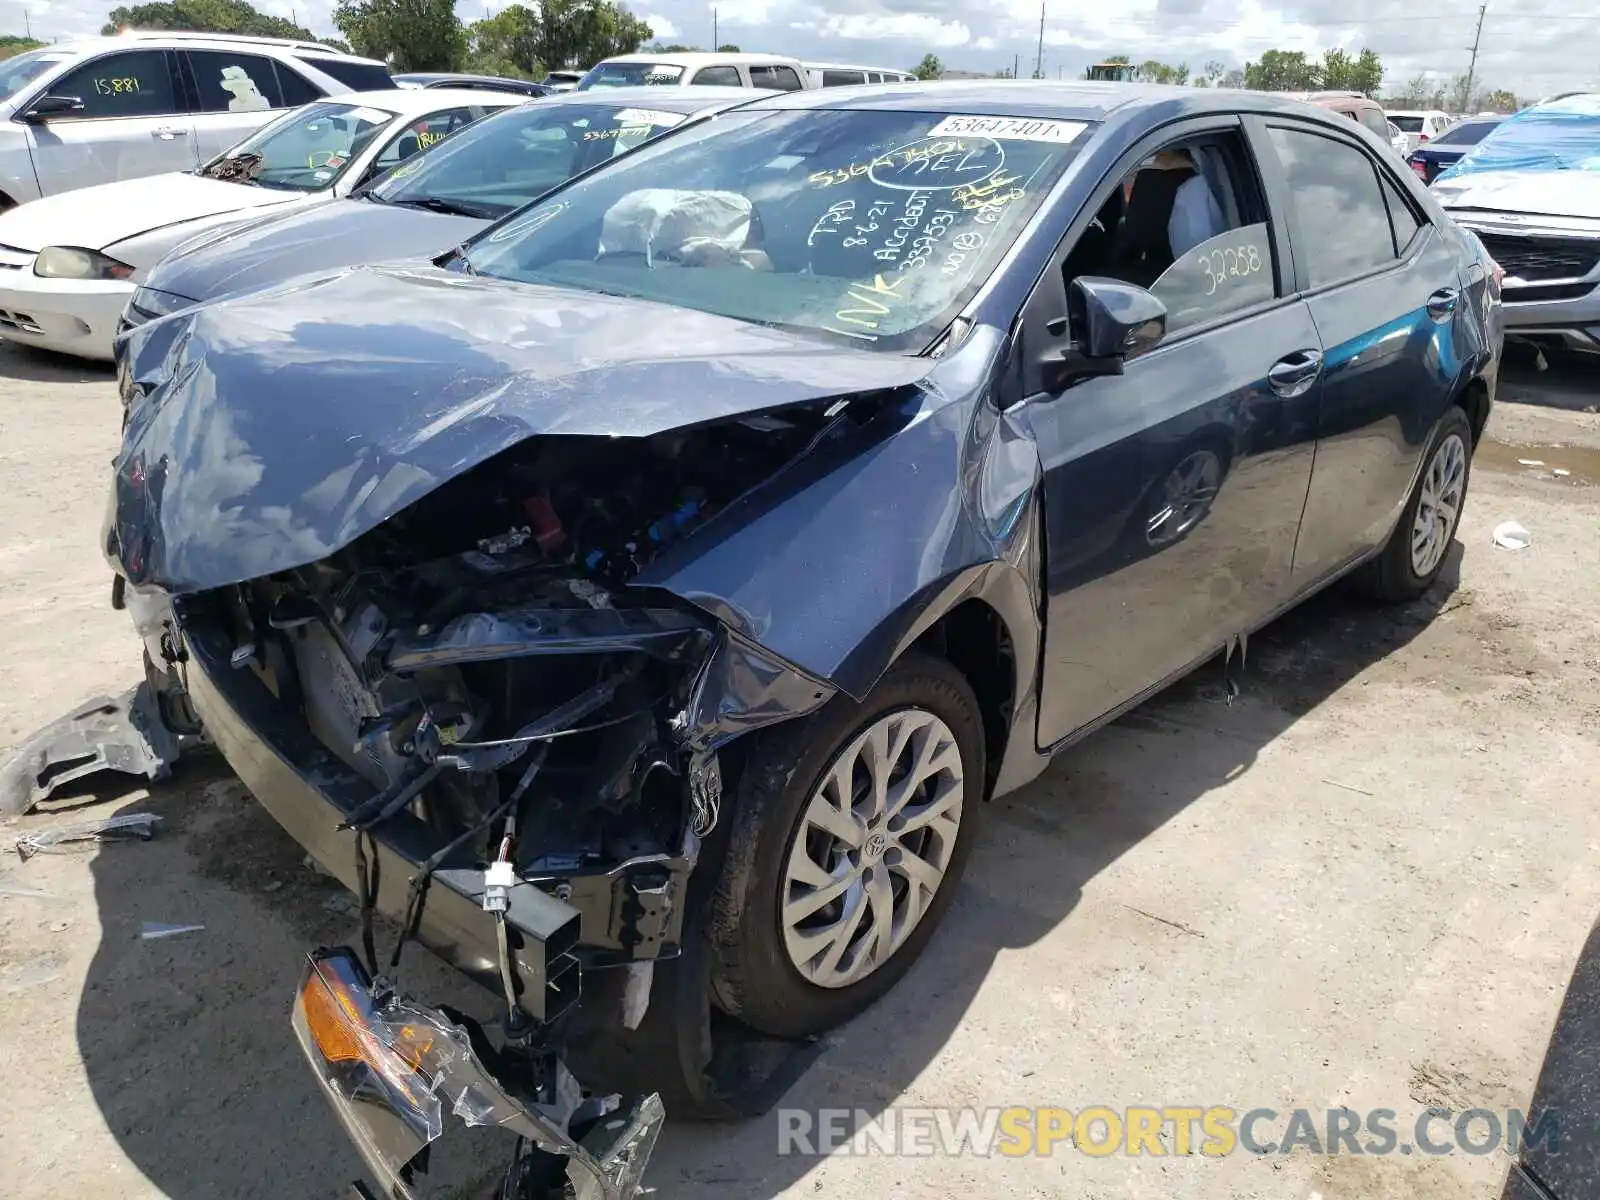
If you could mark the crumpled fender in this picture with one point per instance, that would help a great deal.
(841, 563)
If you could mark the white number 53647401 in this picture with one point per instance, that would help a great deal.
(1227, 263)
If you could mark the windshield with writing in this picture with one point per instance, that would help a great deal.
(867, 227)
(631, 74)
(19, 70)
(305, 150)
(504, 162)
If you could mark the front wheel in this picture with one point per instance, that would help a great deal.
(852, 828)
(1416, 551)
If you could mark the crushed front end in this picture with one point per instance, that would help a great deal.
(471, 718)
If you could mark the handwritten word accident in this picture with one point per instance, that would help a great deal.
(930, 207)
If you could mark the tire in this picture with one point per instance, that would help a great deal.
(758, 974)
(1395, 575)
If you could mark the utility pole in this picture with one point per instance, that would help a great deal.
(1472, 67)
(714, 40)
(1038, 63)
(27, 24)
(1016, 65)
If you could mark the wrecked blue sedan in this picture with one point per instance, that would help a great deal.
(639, 604)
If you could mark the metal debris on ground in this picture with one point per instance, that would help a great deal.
(1508, 535)
(151, 930)
(122, 826)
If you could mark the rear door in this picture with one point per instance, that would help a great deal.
(233, 94)
(134, 122)
(1382, 285)
(1173, 491)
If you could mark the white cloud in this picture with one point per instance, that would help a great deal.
(660, 26)
(1524, 47)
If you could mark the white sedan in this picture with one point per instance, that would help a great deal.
(68, 263)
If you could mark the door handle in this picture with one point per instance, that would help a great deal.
(1442, 303)
(167, 132)
(1293, 374)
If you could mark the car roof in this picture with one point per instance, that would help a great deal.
(669, 99)
(408, 102)
(701, 58)
(205, 41)
(1416, 112)
(833, 66)
(1076, 100)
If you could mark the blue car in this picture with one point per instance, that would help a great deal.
(640, 603)
(1446, 149)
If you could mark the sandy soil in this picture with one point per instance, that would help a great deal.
(1364, 882)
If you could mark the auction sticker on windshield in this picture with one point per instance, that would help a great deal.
(647, 116)
(1019, 129)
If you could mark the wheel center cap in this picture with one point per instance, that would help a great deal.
(876, 845)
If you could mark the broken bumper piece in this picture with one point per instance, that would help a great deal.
(125, 734)
(391, 1069)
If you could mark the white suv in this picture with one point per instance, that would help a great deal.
(103, 109)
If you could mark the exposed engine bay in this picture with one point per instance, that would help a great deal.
(482, 669)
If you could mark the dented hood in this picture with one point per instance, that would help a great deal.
(279, 427)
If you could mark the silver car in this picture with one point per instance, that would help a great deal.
(1530, 193)
(100, 110)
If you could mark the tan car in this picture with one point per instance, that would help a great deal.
(1358, 108)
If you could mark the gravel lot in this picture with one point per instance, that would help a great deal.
(1363, 882)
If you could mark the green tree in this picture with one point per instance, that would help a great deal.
(674, 48)
(929, 68)
(207, 16)
(1282, 71)
(727, 48)
(1367, 78)
(1159, 72)
(579, 33)
(12, 44)
(506, 44)
(1337, 70)
(412, 35)
(1501, 101)
(1234, 79)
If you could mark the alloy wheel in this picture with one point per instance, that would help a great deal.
(1438, 505)
(872, 847)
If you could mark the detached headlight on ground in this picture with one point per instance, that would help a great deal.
(71, 262)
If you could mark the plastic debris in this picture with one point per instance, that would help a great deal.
(1509, 535)
(1531, 462)
(1560, 471)
(30, 974)
(151, 930)
(124, 825)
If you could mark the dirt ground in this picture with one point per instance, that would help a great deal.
(1363, 882)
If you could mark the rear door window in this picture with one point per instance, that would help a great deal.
(775, 76)
(1375, 121)
(1401, 216)
(842, 78)
(133, 83)
(355, 75)
(295, 87)
(228, 82)
(724, 76)
(1343, 225)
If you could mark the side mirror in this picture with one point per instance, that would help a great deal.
(52, 105)
(1112, 322)
(1116, 320)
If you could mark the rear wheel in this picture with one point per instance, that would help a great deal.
(852, 829)
(1416, 551)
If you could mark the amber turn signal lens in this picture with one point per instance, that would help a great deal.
(332, 1017)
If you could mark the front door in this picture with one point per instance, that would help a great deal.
(1173, 492)
(133, 123)
(1382, 288)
